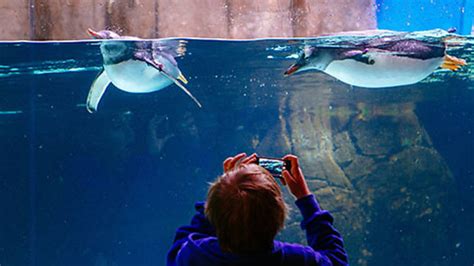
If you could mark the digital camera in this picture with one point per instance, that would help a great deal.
(274, 166)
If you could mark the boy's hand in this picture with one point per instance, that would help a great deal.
(294, 178)
(240, 158)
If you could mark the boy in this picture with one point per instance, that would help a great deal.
(244, 212)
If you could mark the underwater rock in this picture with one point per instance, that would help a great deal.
(417, 167)
(274, 142)
(376, 170)
(315, 184)
(306, 127)
(310, 134)
(412, 192)
(344, 151)
(377, 136)
(381, 130)
(335, 199)
(359, 167)
(341, 116)
(413, 134)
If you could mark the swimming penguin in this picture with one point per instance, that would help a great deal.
(381, 62)
(135, 66)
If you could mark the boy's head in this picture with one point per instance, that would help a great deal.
(246, 207)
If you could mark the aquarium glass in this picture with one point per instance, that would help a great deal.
(393, 165)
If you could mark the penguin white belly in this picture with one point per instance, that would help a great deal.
(387, 70)
(137, 77)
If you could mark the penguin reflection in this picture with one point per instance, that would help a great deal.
(136, 66)
(172, 130)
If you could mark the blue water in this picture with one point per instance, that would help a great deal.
(110, 188)
(425, 15)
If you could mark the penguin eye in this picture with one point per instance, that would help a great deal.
(301, 56)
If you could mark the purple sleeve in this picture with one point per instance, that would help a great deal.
(320, 233)
(199, 224)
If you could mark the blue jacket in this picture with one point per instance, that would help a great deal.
(197, 244)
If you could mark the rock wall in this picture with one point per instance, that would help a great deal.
(59, 20)
(372, 164)
(310, 18)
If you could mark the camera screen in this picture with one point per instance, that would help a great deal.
(274, 166)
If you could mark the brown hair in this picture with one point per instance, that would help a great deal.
(246, 207)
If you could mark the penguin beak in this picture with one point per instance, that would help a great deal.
(292, 69)
(94, 34)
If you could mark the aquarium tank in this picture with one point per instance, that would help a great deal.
(101, 167)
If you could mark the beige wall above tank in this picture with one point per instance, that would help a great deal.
(15, 20)
(69, 19)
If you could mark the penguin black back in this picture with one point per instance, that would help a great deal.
(116, 51)
(414, 49)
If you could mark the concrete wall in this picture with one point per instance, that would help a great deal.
(14, 18)
(69, 19)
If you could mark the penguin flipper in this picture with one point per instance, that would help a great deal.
(453, 63)
(181, 86)
(358, 55)
(175, 81)
(96, 91)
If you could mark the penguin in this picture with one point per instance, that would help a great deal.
(387, 61)
(134, 66)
